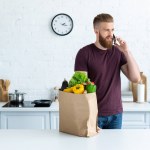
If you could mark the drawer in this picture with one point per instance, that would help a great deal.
(136, 118)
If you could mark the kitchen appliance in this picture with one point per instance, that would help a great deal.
(29, 104)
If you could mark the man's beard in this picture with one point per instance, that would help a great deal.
(104, 42)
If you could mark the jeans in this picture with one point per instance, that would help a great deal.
(110, 122)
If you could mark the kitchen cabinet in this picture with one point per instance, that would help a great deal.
(135, 116)
(131, 120)
(50, 120)
(0, 120)
(25, 120)
(54, 120)
(136, 120)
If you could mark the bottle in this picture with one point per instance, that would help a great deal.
(64, 85)
(135, 85)
(140, 92)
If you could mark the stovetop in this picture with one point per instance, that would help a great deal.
(27, 104)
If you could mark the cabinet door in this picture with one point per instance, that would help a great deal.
(0, 120)
(136, 120)
(54, 120)
(25, 120)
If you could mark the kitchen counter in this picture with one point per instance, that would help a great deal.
(125, 139)
(127, 106)
(53, 107)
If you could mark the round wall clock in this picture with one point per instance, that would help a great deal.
(62, 24)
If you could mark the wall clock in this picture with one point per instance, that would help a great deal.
(62, 24)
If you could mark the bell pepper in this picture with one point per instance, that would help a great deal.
(69, 90)
(91, 88)
(78, 89)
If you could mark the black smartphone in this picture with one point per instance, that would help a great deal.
(114, 39)
(115, 42)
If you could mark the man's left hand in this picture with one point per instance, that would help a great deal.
(122, 45)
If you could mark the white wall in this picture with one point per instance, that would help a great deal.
(35, 59)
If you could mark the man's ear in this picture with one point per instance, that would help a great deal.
(96, 30)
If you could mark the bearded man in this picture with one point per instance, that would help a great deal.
(103, 61)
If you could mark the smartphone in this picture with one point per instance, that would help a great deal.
(115, 42)
(114, 39)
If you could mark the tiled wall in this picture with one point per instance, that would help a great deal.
(35, 59)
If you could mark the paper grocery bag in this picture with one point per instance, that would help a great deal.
(78, 113)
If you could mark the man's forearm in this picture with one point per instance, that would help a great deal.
(133, 69)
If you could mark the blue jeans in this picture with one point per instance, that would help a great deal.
(110, 122)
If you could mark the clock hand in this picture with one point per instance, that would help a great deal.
(63, 24)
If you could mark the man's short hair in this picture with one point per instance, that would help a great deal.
(102, 18)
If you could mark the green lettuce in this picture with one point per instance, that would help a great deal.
(78, 78)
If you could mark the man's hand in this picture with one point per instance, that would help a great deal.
(131, 69)
(122, 45)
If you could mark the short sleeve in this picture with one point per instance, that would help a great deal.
(123, 60)
(81, 61)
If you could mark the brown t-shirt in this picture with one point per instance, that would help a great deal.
(103, 68)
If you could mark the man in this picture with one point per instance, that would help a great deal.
(103, 61)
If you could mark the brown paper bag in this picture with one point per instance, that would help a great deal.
(78, 113)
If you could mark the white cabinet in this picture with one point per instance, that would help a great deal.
(54, 120)
(131, 120)
(25, 120)
(50, 120)
(136, 120)
(135, 116)
(0, 120)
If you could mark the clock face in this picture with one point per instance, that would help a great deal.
(62, 24)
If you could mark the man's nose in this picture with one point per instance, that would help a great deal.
(110, 32)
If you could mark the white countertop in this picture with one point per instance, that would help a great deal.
(125, 139)
(53, 107)
(127, 106)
